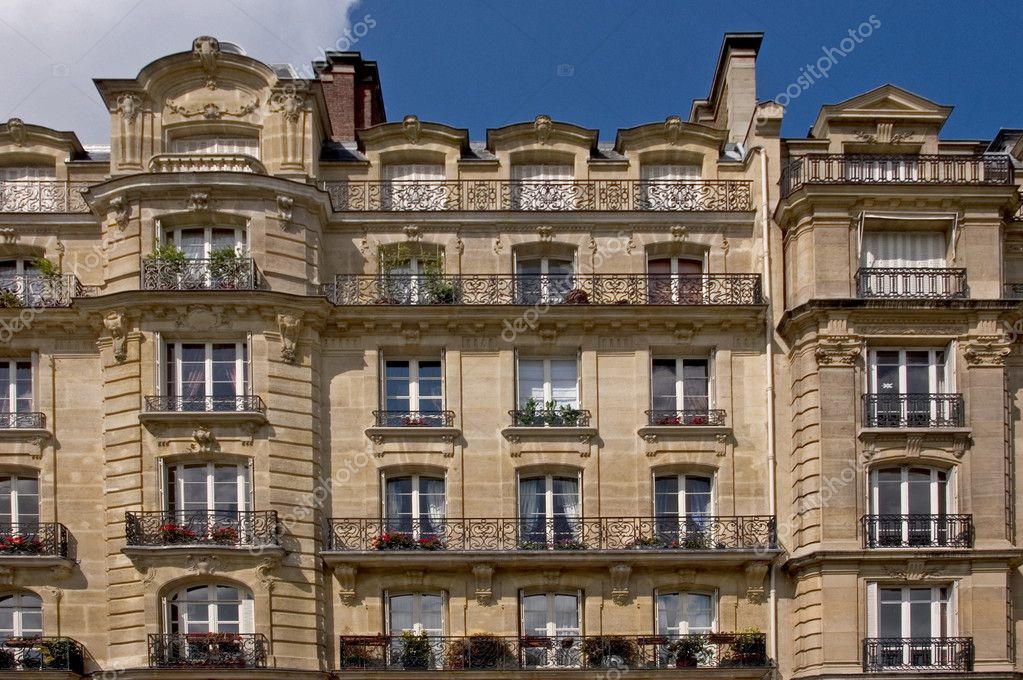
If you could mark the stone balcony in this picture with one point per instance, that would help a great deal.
(194, 162)
(42, 196)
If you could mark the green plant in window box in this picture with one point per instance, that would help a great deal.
(551, 416)
(525, 415)
(696, 539)
(9, 299)
(689, 650)
(45, 268)
(60, 654)
(610, 651)
(569, 415)
(416, 650)
(225, 268)
(171, 261)
(749, 648)
(480, 651)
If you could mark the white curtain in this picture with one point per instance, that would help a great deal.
(27, 173)
(896, 249)
(669, 173)
(213, 144)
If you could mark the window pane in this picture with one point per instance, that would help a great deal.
(668, 614)
(664, 385)
(697, 495)
(699, 613)
(695, 384)
(563, 382)
(531, 381)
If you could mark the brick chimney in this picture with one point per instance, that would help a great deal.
(351, 89)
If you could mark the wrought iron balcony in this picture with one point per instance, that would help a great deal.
(23, 420)
(414, 418)
(558, 533)
(47, 539)
(895, 169)
(42, 196)
(208, 650)
(564, 416)
(247, 403)
(695, 417)
(911, 283)
(519, 289)
(489, 195)
(205, 162)
(201, 527)
(882, 655)
(198, 274)
(1014, 291)
(913, 410)
(37, 292)
(42, 654)
(917, 531)
(485, 652)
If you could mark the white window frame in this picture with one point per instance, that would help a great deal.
(951, 498)
(246, 607)
(28, 173)
(548, 388)
(240, 372)
(683, 625)
(679, 383)
(546, 287)
(413, 382)
(19, 607)
(173, 235)
(557, 656)
(549, 516)
(950, 622)
(215, 145)
(416, 515)
(935, 377)
(682, 476)
(12, 387)
(17, 499)
(417, 611)
(243, 482)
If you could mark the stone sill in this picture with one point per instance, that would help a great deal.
(179, 417)
(25, 433)
(553, 558)
(35, 562)
(566, 673)
(439, 433)
(202, 548)
(218, 673)
(918, 431)
(520, 432)
(687, 431)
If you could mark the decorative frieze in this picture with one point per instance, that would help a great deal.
(620, 583)
(484, 575)
(839, 351)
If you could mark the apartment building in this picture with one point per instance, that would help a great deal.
(294, 391)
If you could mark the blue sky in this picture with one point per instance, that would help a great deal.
(487, 63)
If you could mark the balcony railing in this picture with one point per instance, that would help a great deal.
(48, 539)
(519, 289)
(38, 291)
(557, 533)
(917, 531)
(208, 650)
(911, 283)
(202, 527)
(913, 410)
(24, 420)
(198, 274)
(42, 196)
(564, 416)
(488, 195)
(42, 654)
(203, 162)
(484, 652)
(248, 403)
(917, 654)
(414, 418)
(894, 169)
(711, 417)
(1014, 291)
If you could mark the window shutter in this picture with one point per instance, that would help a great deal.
(247, 616)
(872, 610)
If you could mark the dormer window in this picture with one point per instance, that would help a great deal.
(217, 145)
(669, 186)
(418, 186)
(545, 186)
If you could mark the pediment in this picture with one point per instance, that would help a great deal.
(885, 103)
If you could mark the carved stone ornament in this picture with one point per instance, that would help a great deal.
(203, 565)
(212, 110)
(413, 232)
(199, 201)
(986, 351)
(206, 50)
(412, 128)
(115, 324)
(199, 318)
(16, 129)
(913, 570)
(289, 326)
(679, 233)
(672, 129)
(484, 575)
(129, 105)
(345, 574)
(203, 440)
(265, 575)
(121, 209)
(755, 573)
(551, 577)
(285, 209)
(885, 134)
(620, 583)
(289, 104)
(543, 128)
(837, 350)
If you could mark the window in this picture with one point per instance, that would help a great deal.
(551, 615)
(420, 614)
(907, 388)
(667, 187)
(413, 187)
(19, 504)
(684, 614)
(544, 187)
(680, 391)
(549, 510)
(869, 168)
(893, 260)
(205, 502)
(675, 280)
(908, 619)
(211, 608)
(15, 386)
(216, 144)
(413, 393)
(21, 615)
(27, 173)
(207, 376)
(414, 278)
(21, 281)
(682, 506)
(548, 382)
(198, 242)
(414, 505)
(908, 504)
(543, 279)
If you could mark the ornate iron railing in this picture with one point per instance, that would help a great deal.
(518, 289)
(911, 282)
(198, 274)
(913, 410)
(38, 291)
(1014, 291)
(202, 527)
(208, 650)
(565, 416)
(714, 416)
(42, 654)
(917, 654)
(894, 169)
(917, 531)
(486, 195)
(29, 420)
(42, 196)
(246, 403)
(205, 162)
(414, 418)
(483, 652)
(555, 533)
(35, 539)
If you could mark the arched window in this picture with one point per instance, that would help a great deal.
(209, 502)
(668, 186)
(19, 504)
(411, 617)
(683, 613)
(549, 509)
(15, 390)
(682, 506)
(545, 186)
(212, 608)
(543, 279)
(552, 615)
(21, 615)
(910, 506)
(418, 186)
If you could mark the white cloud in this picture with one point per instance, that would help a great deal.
(52, 51)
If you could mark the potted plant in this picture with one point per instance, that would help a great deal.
(10, 299)
(7, 660)
(749, 648)
(19, 545)
(577, 296)
(695, 539)
(173, 533)
(533, 545)
(430, 543)
(525, 415)
(551, 417)
(394, 541)
(479, 651)
(59, 654)
(570, 544)
(226, 268)
(45, 268)
(416, 650)
(647, 543)
(689, 650)
(612, 651)
(669, 419)
(169, 264)
(413, 421)
(569, 415)
(224, 535)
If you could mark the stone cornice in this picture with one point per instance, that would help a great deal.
(854, 560)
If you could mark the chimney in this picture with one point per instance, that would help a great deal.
(351, 90)
(733, 91)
